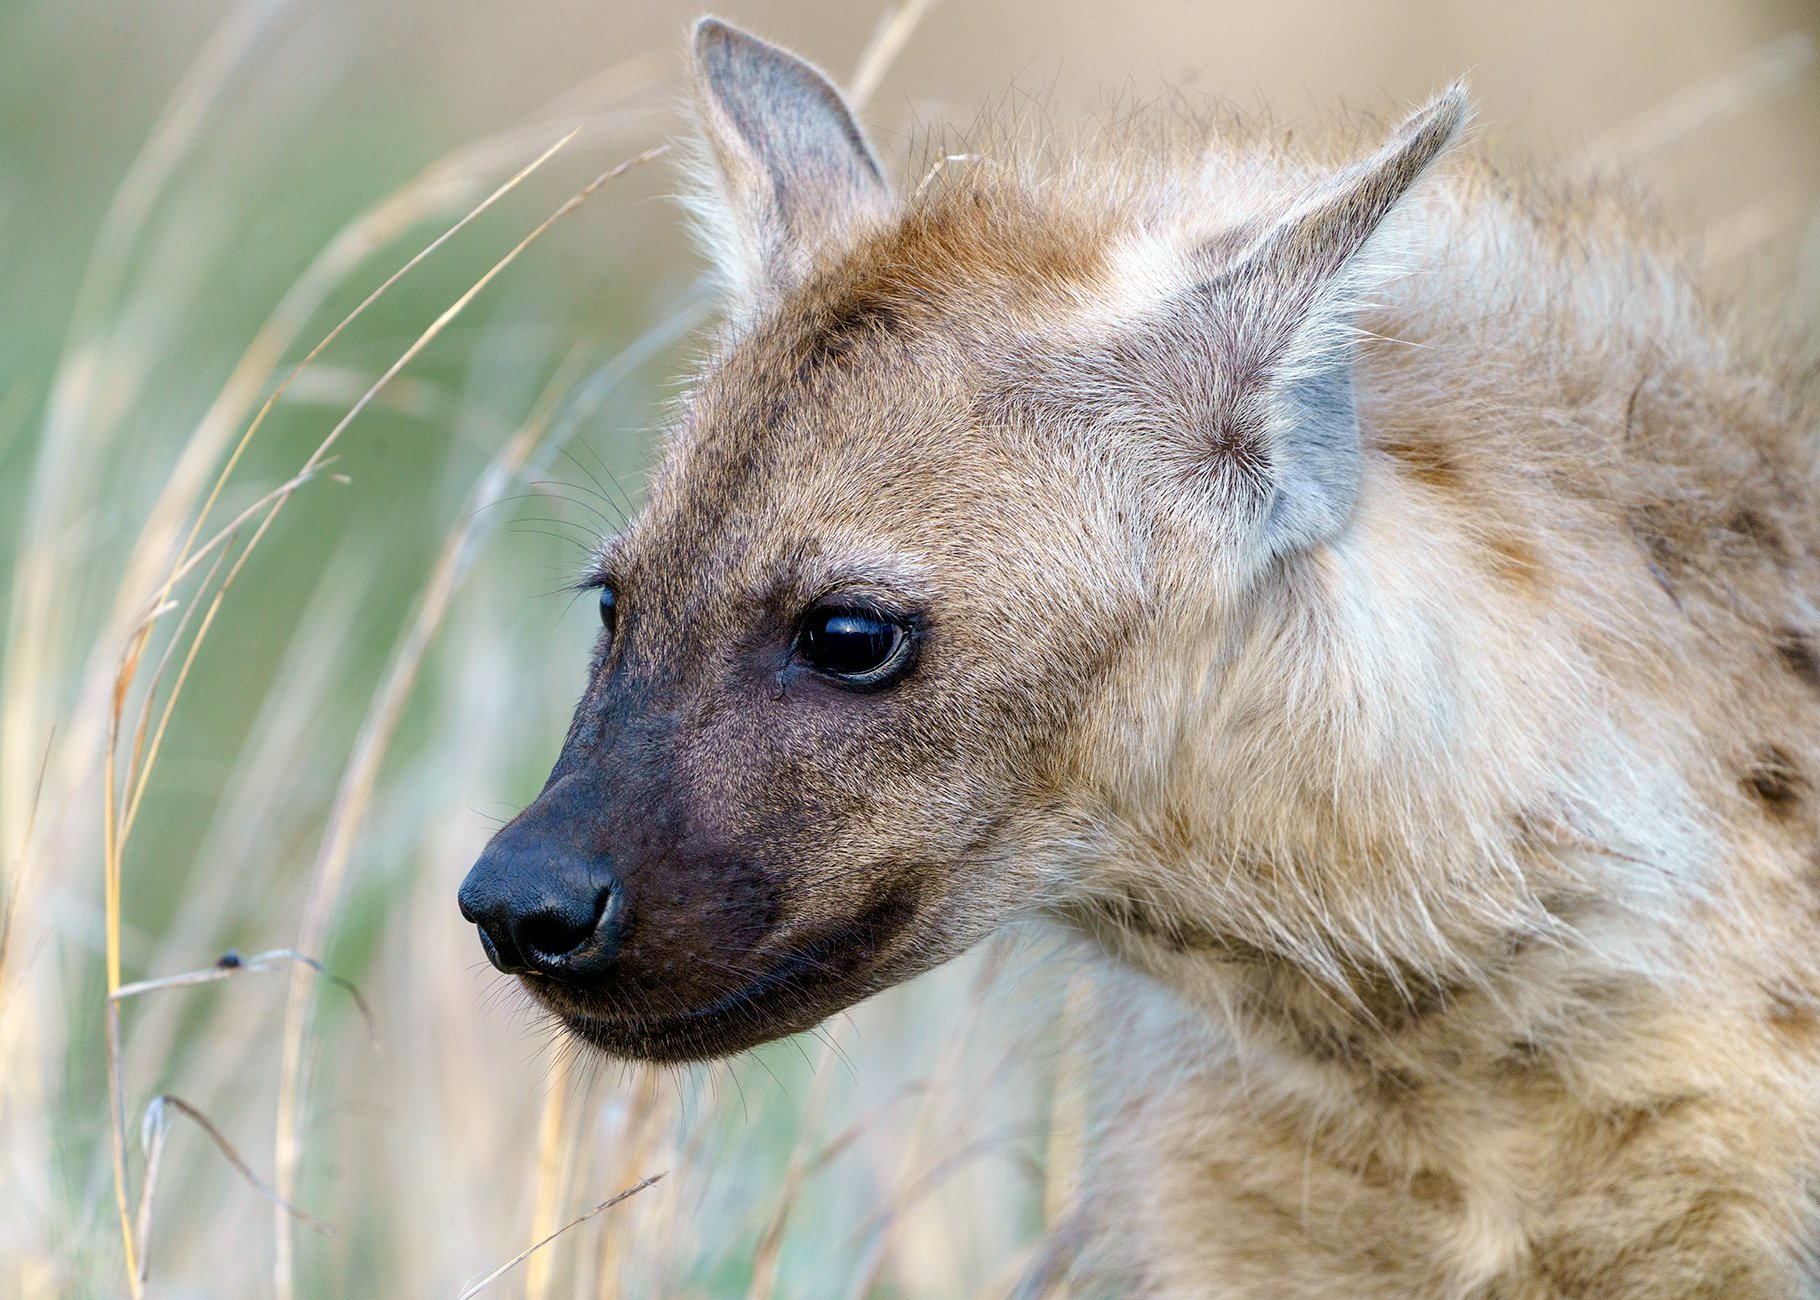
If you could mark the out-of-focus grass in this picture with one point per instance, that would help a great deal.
(387, 678)
(246, 722)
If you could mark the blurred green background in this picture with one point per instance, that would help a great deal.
(170, 173)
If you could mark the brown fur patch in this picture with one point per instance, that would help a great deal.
(1126, 912)
(1629, 1124)
(1427, 461)
(1436, 1190)
(1516, 561)
(1792, 1011)
(844, 325)
(1664, 556)
(1432, 1188)
(1385, 1012)
(1798, 651)
(1777, 782)
(1757, 531)
(996, 246)
(1522, 1060)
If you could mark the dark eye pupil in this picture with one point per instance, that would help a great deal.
(849, 642)
(608, 602)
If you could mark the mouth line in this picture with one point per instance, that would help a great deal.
(824, 974)
(776, 1004)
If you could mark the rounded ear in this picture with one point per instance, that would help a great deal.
(794, 170)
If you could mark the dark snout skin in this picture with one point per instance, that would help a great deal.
(544, 894)
(652, 936)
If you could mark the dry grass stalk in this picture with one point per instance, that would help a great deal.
(382, 720)
(144, 754)
(526, 1253)
(552, 1153)
(232, 964)
(34, 623)
(888, 40)
(117, 822)
(153, 1128)
(648, 1125)
(119, 815)
(940, 1087)
(1068, 1107)
(117, 825)
(15, 878)
(802, 1163)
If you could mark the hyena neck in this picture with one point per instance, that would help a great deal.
(1543, 709)
(1424, 790)
(1524, 1013)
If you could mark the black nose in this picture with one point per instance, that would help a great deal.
(542, 904)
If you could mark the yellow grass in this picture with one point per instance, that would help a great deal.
(107, 743)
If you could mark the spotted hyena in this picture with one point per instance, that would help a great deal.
(1368, 597)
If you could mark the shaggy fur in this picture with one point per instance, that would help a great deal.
(1377, 605)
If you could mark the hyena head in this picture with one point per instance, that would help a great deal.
(968, 465)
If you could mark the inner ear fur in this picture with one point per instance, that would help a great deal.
(1277, 323)
(795, 171)
(1285, 307)
(1236, 393)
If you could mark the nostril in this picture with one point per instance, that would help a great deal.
(503, 956)
(551, 937)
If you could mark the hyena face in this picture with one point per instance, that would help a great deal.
(857, 695)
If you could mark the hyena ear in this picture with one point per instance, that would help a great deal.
(1280, 311)
(795, 172)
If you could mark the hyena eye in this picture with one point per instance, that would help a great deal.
(857, 646)
(608, 605)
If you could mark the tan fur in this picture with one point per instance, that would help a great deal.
(1460, 854)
